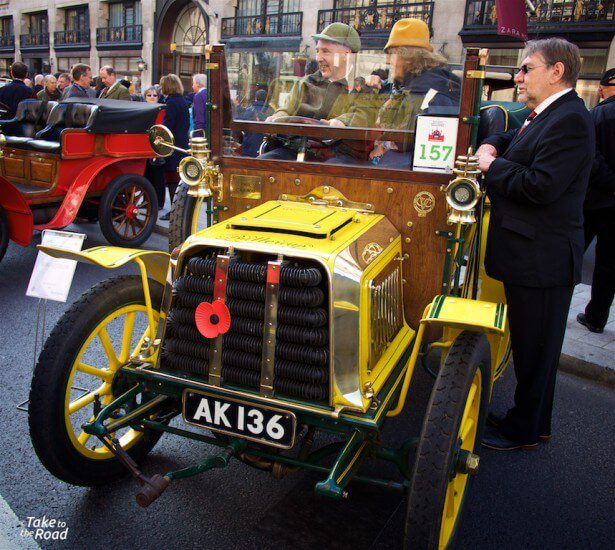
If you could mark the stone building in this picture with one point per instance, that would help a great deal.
(145, 39)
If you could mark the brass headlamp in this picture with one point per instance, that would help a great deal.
(464, 192)
(197, 170)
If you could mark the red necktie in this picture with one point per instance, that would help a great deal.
(527, 122)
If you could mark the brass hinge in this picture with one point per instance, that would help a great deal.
(475, 74)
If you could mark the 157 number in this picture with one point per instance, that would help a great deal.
(436, 152)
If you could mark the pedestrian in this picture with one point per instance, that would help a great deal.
(150, 95)
(176, 119)
(599, 209)
(63, 82)
(50, 91)
(39, 83)
(536, 180)
(114, 89)
(258, 111)
(199, 104)
(16, 91)
(82, 78)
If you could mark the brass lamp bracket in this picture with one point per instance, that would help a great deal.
(463, 193)
(326, 195)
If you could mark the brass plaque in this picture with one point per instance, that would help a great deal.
(246, 187)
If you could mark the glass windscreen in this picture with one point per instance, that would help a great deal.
(343, 108)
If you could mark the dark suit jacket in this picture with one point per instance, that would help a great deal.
(199, 109)
(13, 93)
(537, 186)
(601, 192)
(177, 119)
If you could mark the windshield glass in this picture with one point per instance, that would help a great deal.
(340, 107)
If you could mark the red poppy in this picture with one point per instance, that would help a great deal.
(212, 319)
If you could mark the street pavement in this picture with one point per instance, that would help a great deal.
(559, 496)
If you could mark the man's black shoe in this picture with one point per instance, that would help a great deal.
(165, 217)
(498, 442)
(497, 420)
(583, 320)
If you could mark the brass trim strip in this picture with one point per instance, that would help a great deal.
(215, 350)
(272, 287)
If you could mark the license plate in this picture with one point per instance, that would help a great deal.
(232, 417)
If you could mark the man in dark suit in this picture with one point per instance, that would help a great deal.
(16, 91)
(536, 179)
(599, 209)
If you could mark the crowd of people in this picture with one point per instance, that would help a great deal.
(184, 111)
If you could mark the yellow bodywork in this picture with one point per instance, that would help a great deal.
(353, 247)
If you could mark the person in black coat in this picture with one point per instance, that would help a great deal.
(536, 179)
(176, 119)
(599, 209)
(15, 92)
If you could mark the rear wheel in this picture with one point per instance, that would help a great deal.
(128, 210)
(451, 434)
(188, 215)
(4, 233)
(74, 377)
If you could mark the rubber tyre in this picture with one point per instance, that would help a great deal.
(4, 233)
(182, 213)
(46, 414)
(439, 439)
(105, 210)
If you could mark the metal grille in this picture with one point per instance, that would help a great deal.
(386, 309)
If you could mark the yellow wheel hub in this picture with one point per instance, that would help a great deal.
(117, 337)
(467, 438)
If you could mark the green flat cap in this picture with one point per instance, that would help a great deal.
(340, 33)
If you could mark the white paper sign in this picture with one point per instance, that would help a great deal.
(435, 141)
(52, 277)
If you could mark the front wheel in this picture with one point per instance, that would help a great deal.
(188, 215)
(128, 210)
(451, 434)
(74, 378)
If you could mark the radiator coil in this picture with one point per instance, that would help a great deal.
(301, 353)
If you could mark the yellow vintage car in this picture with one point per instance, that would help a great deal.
(306, 305)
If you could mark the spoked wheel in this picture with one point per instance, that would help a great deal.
(450, 437)
(75, 378)
(188, 215)
(128, 210)
(4, 233)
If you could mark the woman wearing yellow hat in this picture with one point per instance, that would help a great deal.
(421, 80)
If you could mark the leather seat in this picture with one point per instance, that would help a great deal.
(17, 142)
(31, 116)
(43, 146)
(493, 119)
(64, 115)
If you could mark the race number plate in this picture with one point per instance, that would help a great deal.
(228, 416)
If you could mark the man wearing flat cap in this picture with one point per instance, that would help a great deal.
(325, 94)
(599, 209)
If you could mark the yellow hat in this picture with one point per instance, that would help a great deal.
(409, 32)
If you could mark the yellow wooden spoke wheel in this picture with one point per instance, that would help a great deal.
(447, 451)
(74, 379)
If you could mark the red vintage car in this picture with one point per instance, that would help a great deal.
(79, 158)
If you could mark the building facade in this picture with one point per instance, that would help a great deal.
(144, 39)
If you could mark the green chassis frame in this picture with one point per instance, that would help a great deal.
(360, 432)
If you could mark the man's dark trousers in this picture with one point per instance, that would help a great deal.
(537, 322)
(537, 186)
(600, 224)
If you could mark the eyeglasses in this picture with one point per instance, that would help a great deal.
(525, 69)
(151, 95)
